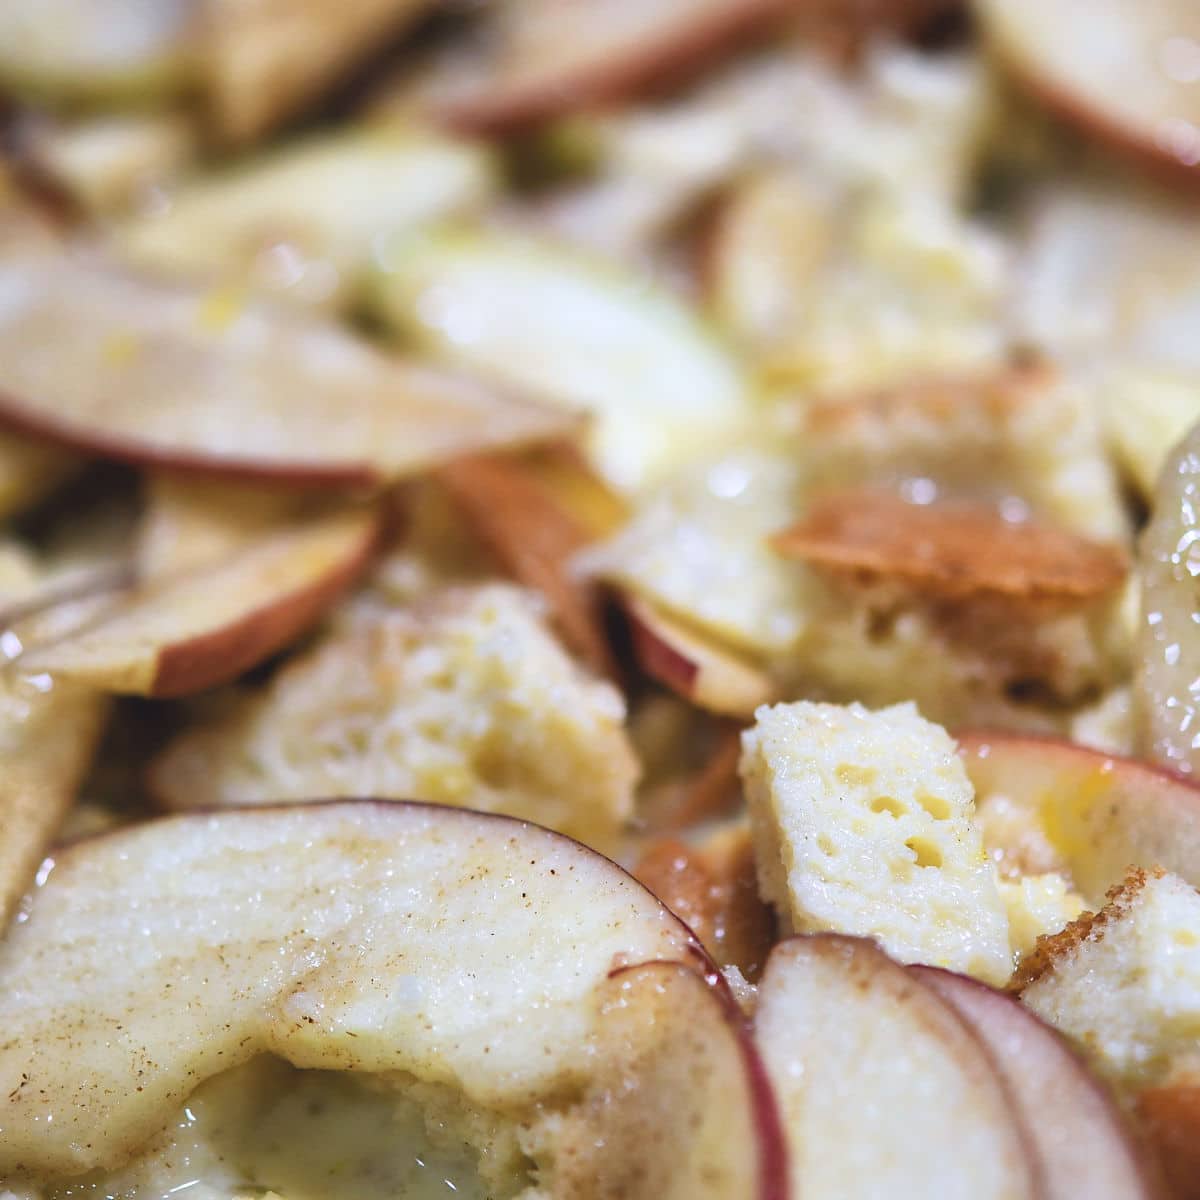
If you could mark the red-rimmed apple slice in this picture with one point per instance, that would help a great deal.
(1081, 1142)
(884, 1090)
(154, 373)
(533, 537)
(47, 736)
(1124, 71)
(193, 630)
(263, 62)
(1101, 813)
(542, 58)
(691, 665)
(462, 949)
(680, 1108)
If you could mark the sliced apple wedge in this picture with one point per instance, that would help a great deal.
(680, 1107)
(694, 665)
(370, 937)
(572, 330)
(265, 61)
(194, 630)
(1100, 813)
(48, 733)
(301, 221)
(151, 373)
(533, 537)
(547, 57)
(884, 1090)
(1122, 71)
(1081, 1142)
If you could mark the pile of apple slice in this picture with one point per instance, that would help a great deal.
(526, 995)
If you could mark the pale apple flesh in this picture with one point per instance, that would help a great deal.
(1081, 1142)
(193, 630)
(1100, 812)
(680, 1107)
(206, 379)
(884, 1090)
(693, 666)
(355, 936)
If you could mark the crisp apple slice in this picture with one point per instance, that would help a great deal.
(533, 537)
(574, 330)
(302, 221)
(461, 949)
(1101, 813)
(680, 1108)
(884, 1090)
(263, 62)
(192, 630)
(542, 58)
(693, 665)
(154, 373)
(1123, 71)
(1078, 1136)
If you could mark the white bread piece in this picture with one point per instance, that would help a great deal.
(464, 699)
(863, 825)
(1038, 906)
(1125, 982)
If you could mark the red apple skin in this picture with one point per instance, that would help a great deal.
(1112, 812)
(1123, 1170)
(675, 56)
(16, 417)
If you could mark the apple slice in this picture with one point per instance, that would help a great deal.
(194, 630)
(1123, 71)
(1080, 1140)
(693, 665)
(680, 1107)
(533, 537)
(265, 61)
(150, 373)
(543, 58)
(48, 733)
(1100, 812)
(1166, 705)
(574, 330)
(73, 50)
(884, 1090)
(461, 949)
(302, 221)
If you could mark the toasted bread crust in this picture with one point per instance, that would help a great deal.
(1089, 926)
(952, 552)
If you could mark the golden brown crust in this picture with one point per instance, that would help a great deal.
(992, 395)
(532, 537)
(1053, 948)
(952, 552)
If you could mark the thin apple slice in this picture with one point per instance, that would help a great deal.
(680, 1107)
(302, 221)
(1081, 1141)
(1100, 813)
(694, 665)
(362, 936)
(1166, 705)
(265, 61)
(1122, 71)
(194, 630)
(543, 58)
(576, 331)
(884, 1090)
(533, 537)
(152, 373)
(47, 735)
(71, 50)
